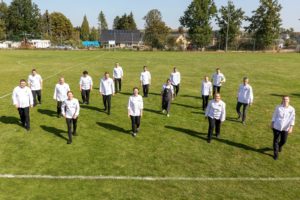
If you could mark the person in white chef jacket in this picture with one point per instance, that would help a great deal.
(23, 100)
(107, 89)
(60, 94)
(217, 79)
(118, 76)
(206, 91)
(175, 78)
(145, 80)
(35, 83)
(86, 86)
(244, 99)
(283, 121)
(216, 114)
(135, 110)
(70, 110)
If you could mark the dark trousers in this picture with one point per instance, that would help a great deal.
(213, 124)
(118, 82)
(146, 90)
(24, 116)
(135, 123)
(176, 89)
(38, 94)
(216, 89)
(70, 122)
(58, 106)
(280, 138)
(166, 104)
(238, 110)
(107, 102)
(204, 101)
(85, 94)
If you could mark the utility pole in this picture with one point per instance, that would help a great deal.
(228, 21)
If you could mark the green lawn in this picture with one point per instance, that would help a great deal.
(165, 147)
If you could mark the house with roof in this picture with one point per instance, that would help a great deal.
(121, 38)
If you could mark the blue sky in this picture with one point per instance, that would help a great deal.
(171, 9)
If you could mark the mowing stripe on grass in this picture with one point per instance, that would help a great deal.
(149, 178)
(67, 69)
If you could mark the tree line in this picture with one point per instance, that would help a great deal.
(23, 18)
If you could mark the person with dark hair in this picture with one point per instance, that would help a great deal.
(118, 76)
(86, 86)
(70, 110)
(206, 91)
(145, 80)
(60, 93)
(244, 98)
(35, 82)
(216, 114)
(217, 79)
(175, 80)
(282, 124)
(167, 95)
(107, 89)
(135, 110)
(23, 100)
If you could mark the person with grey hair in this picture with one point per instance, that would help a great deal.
(167, 95)
(282, 124)
(244, 98)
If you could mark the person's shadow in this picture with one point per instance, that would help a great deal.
(50, 113)
(225, 141)
(10, 120)
(92, 108)
(153, 111)
(113, 127)
(55, 131)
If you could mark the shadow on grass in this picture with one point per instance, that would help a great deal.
(126, 93)
(112, 127)
(155, 94)
(55, 131)
(295, 95)
(281, 95)
(232, 119)
(9, 120)
(186, 106)
(224, 141)
(190, 96)
(92, 108)
(50, 113)
(153, 111)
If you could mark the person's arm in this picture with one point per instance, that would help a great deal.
(63, 109)
(54, 95)
(274, 118)
(30, 98)
(41, 82)
(113, 88)
(292, 122)
(208, 109)
(149, 78)
(14, 98)
(142, 107)
(251, 96)
(80, 84)
(91, 86)
(28, 82)
(128, 107)
(210, 89)
(77, 110)
(122, 73)
(223, 114)
(223, 79)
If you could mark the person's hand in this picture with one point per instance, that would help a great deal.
(31, 106)
(290, 130)
(64, 116)
(128, 115)
(271, 125)
(17, 106)
(113, 94)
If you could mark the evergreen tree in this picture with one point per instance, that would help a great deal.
(197, 19)
(94, 36)
(230, 19)
(3, 16)
(116, 22)
(131, 21)
(85, 29)
(265, 23)
(46, 25)
(23, 17)
(125, 22)
(156, 31)
(102, 21)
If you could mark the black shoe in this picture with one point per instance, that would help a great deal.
(27, 129)
(69, 142)
(275, 157)
(133, 134)
(108, 113)
(218, 135)
(208, 140)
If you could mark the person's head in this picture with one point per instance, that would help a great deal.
(117, 64)
(206, 78)
(285, 100)
(218, 70)
(217, 97)
(22, 83)
(70, 95)
(245, 80)
(85, 73)
(135, 91)
(145, 68)
(106, 75)
(33, 72)
(174, 69)
(168, 81)
(61, 80)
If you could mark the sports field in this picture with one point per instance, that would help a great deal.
(172, 152)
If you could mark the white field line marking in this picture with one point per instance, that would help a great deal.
(149, 178)
(78, 64)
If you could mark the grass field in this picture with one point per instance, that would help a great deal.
(165, 147)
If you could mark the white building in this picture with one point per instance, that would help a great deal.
(40, 44)
(9, 44)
